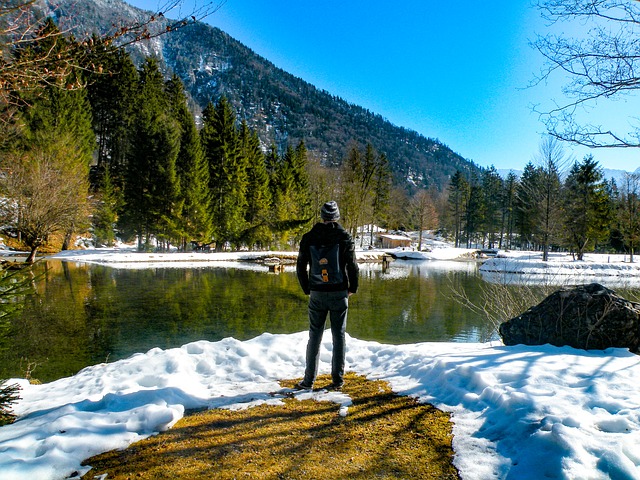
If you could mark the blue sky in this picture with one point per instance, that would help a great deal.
(457, 71)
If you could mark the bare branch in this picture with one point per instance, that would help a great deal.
(604, 64)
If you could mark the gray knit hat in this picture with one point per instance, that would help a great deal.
(330, 212)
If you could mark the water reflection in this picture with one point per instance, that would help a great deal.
(86, 314)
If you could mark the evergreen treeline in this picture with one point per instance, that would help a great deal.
(546, 209)
(161, 179)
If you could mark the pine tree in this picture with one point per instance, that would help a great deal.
(492, 189)
(192, 171)
(475, 210)
(526, 209)
(284, 201)
(105, 214)
(586, 206)
(151, 188)
(258, 191)
(227, 173)
(459, 190)
(112, 94)
(301, 191)
(507, 223)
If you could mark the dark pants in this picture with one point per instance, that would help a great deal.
(336, 305)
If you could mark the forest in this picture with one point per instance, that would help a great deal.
(557, 204)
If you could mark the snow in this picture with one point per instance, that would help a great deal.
(519, 412)
(561, 268)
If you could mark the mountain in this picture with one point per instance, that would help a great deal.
(282, 108)
(618, 175)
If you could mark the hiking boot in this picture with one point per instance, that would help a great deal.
(303, 386)
(334, 386)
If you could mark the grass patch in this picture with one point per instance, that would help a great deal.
(383, 436)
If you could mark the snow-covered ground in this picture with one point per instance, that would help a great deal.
(519, 412)
(561, 268)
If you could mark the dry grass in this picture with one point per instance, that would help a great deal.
(384, 436)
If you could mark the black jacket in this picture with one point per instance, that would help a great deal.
(329, 233)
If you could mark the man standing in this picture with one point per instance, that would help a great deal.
(328, 273)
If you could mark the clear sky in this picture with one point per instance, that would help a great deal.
(457, 71)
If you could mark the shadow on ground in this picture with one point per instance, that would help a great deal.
(383, 436)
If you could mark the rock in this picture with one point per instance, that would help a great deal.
(586, 316)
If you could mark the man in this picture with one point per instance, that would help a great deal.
(328, 273)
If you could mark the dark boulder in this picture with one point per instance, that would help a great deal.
(586, 316)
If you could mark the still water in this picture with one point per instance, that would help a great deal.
(85, 314)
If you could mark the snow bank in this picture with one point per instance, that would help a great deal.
(518, 412)
(561, 268)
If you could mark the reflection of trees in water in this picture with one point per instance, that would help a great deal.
(414, 304)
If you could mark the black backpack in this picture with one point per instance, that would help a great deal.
(325, 265)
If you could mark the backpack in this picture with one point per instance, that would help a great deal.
(325, 265)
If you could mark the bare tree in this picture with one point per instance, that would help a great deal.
(601, 64)
(45, 190)
(424, 212)
(552, 162)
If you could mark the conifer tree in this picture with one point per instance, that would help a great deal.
(192, 171)
(105, 214)
(284, 200)
(301, 191)
(227, 173)
(290, 193)
(459, 190)
(258, 191)
(507, 223)
(272, 164)
(527, 213)
(151, 188)
(492, 189)
(475, 212)
(112, 92)
(586, 206)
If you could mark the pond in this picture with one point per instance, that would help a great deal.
(83, 314)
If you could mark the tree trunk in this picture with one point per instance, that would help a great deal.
(67, 240)
(32, 256)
